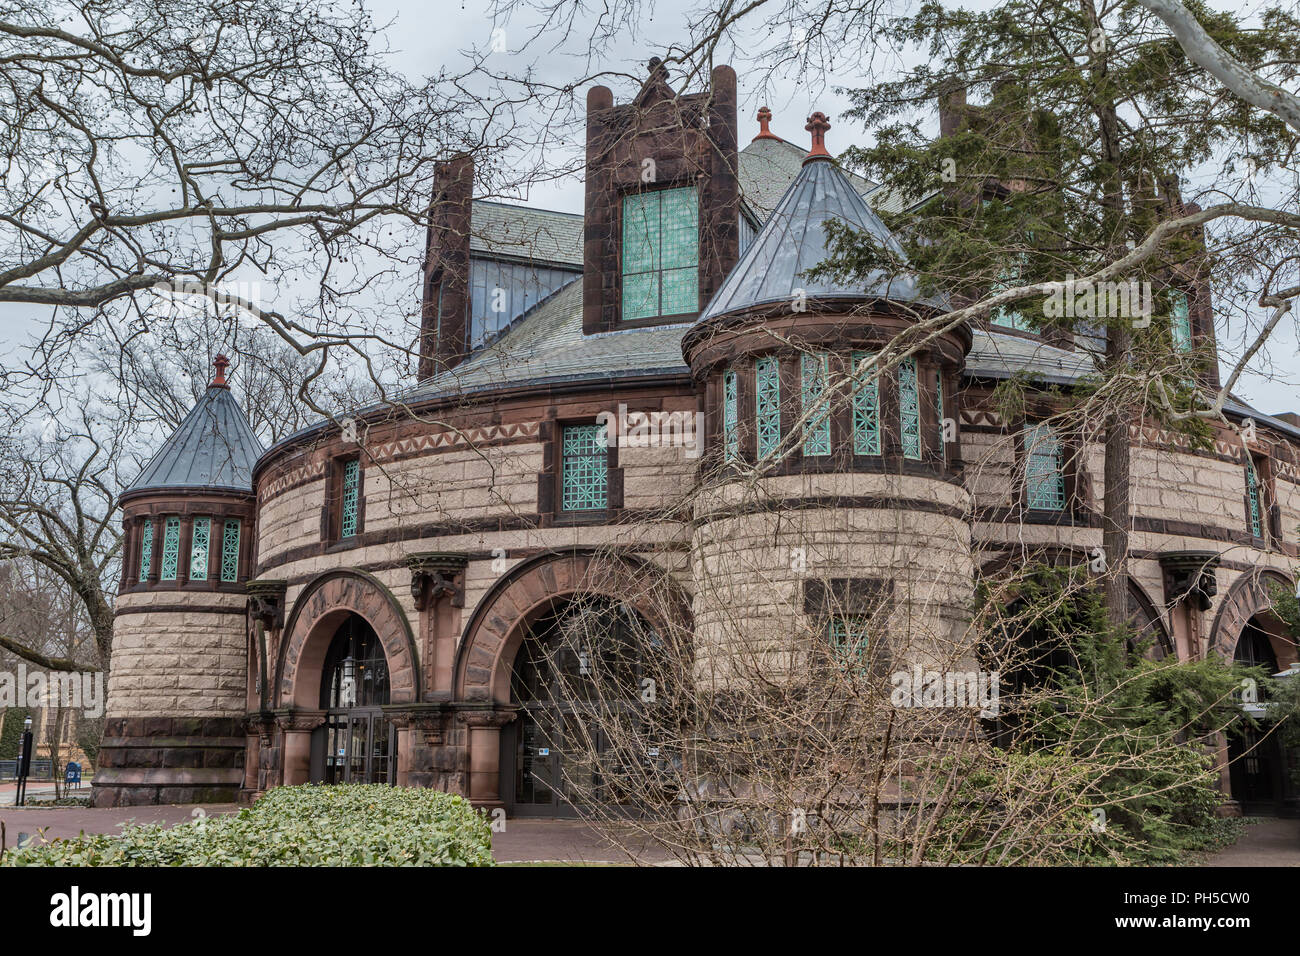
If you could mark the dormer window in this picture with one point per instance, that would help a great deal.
(1180, 320)
(660, 254)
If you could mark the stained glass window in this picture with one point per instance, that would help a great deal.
(1044, 469)
(866, 409)
(848, 636)
(909, 409)
(767, 404)
(351, 494)
(1256, 515)
(1180, 320)
(938, 404)
(171, 551)
(814, 373)
(146, 549)
(199, 539)
(584, 471)
(661, 253)
(730, 400)
(230, 550)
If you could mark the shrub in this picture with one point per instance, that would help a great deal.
(348, 825)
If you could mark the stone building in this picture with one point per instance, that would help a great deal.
(359, 601)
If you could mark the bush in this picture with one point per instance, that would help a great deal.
(349, 825)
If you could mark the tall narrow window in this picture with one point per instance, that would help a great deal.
(146, 549)
(200, 538)
(1180, 320)
(817, 429)
(909, 409)
(171, 550)
(350, 498)
(730, 402)
(584, 468)
(230, 551)
(1044, 469)
(1254, 501)
(767, 404)
(661, 253)
(866, 409)
(939, 412)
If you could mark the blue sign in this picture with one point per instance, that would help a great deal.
(72, 773)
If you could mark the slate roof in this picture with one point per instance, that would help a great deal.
(793, 240)
(213, 449)
(521, 232)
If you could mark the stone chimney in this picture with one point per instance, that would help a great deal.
(952, 109)
(445, 307)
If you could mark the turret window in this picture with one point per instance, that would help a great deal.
(730, 410)
(584, 470)
(146, 549)
(866, 408)
(230, 551)
(660, 254)
(848, 637)
(767, 404)
(171, 550)
(200, 538)
(939, 413)
(817, 427)
(909, 409)
(1180, 320)
(1044, 469)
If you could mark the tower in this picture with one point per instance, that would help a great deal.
(178, 677)
(833, 501)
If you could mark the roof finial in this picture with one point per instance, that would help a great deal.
(220, 363)
(764, 118)
(818, 124)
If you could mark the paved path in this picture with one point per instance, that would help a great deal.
(1265, 842)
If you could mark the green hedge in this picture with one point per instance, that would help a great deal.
(11, 733)
(349, 825)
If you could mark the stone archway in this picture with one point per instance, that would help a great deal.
(503, 618)
(323, 605)
(1249, 596)
(494, 633)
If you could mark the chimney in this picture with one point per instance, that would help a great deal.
(952, 108)
(445, 307)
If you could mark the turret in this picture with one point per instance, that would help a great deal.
(178, 677)
(833, 498)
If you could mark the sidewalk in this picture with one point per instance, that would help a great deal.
(1268, 841)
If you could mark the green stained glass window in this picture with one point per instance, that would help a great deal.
(1044, 469)
(909, 409)
(767, 404)
(200, 537)
(230, 550)
(351, 495)
(938, 404)
(848, 636)
(814, 376)
(661, 253)
(866, 409)
(146, 549)
(1180, 320)
(730, 402)
(171, 550)
(1256, 515)
(584, 470)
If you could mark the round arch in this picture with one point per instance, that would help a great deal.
(499, 624)
(1250, 595)
(323, 605)
(1148, 621)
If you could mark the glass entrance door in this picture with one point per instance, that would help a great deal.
(360, 747)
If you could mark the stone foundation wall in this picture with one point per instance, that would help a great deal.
(145, 761)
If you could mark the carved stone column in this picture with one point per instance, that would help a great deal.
(295, 728)
(438, 587)
(485, 753)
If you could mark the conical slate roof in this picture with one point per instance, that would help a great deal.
(794, 240)
(214, 449)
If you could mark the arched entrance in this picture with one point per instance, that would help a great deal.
(357, 744)
(582, 657)
(1256, 763)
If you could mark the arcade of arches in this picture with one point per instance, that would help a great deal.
(342, 698)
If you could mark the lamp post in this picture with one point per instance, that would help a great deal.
(24, 763)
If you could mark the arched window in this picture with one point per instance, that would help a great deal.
(356, 670)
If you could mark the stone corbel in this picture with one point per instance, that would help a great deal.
(1189, 577)
(300, 721)
(487, 717)
(437, 574)
(266, 603)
